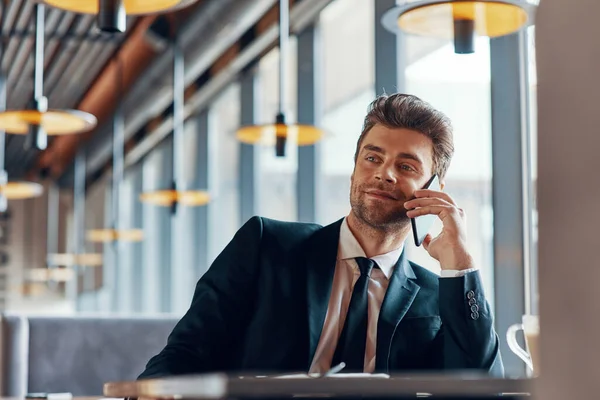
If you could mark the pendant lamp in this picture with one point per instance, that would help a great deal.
(37, 281)
(50, 274)
(37, 122)
(11, 190)
(461, 20)
(281, 131)
(30, 289)
(177, 193)
(14, 190)
(80, 259)
(114, 232)
(77, 258)
(112, 13)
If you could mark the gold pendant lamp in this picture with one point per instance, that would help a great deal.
(177, 194)
(460, 20)
(281, 131)
(112, 14)
(13, 190)
(115, 232)
(37, 122)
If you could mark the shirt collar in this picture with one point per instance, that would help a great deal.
(350, 248)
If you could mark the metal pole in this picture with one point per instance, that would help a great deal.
(53, 210)
(78, 219)
(3, 173)
(390, 54)
(52, 226)
(284, 31)
(3, 95)
(178, 114)
(37, 136)
(530, 288)
(3, 84)
(38, 71)
(79, 206)
(3, 177)
(117, 181)
(309, 112)
(118, 149)
(248, 169)
(507, 191)
(139, 268)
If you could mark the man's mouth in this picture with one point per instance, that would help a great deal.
(381, 194)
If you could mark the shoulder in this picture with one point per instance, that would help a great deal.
(289, 227)
(280, 231)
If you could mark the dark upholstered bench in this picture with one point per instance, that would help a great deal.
(76, 354)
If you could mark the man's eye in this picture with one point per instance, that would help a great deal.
(406, 167)
(371, 158)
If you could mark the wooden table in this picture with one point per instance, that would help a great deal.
(215, 386)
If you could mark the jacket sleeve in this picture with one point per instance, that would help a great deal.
(208, 334)
(467, 335)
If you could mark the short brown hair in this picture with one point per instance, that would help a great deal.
(410, 112)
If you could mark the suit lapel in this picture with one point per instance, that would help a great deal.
(400, 295)
(320, 265)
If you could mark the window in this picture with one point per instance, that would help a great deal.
(277, 191)
(97, 216)
(532, 137)
(462, 90)
(129, 252)
(186, 267)
(156, 283)
(347, 29)
(224, 170)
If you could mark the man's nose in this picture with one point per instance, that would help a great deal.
(386, 173)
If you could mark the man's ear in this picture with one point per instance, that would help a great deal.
(442, 184)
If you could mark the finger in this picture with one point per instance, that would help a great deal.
(426, 241)
(420, 193)
(426, 201)
(430, 210)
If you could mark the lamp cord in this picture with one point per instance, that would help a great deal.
(284, 30)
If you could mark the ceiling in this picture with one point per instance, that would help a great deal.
(75, 53)
(80, 70)
(209, 30)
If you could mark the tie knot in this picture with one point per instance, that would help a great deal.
(365, 265)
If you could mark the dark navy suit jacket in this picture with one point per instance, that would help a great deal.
(262, 304)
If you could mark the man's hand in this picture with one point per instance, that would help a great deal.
(450, 246)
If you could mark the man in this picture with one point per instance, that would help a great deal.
(300, 297)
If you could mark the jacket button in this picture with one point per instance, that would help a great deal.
(474, 308)
(472, 302)
(470, 294)
(474, 315)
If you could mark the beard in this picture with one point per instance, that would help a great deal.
(383, 215)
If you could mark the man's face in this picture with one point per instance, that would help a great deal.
(392, 163)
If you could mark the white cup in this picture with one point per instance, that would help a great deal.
(531, 329)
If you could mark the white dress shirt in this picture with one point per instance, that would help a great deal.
(345, 276)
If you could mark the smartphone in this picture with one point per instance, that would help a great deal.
(422, 224)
